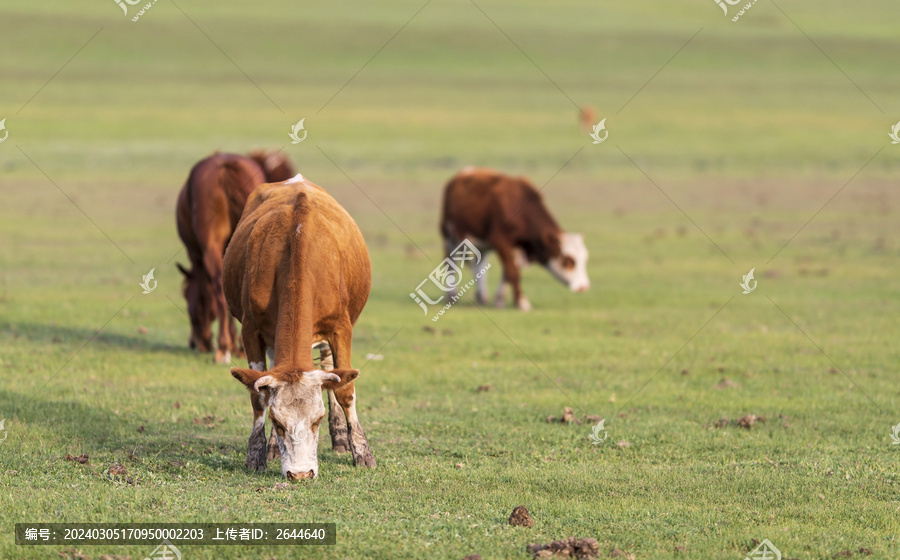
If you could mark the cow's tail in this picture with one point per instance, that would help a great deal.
(298, 317)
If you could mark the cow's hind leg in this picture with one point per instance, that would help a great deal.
(511, 276)
(213, 262)
(256, 446)
(449, 245)
(481, 290)
(237, 342)
(337, 424)
(346, 397)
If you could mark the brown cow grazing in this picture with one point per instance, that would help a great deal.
(297, 275)
(208, 209)
(507, 214)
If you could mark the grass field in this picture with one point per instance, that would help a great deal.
(761, 143)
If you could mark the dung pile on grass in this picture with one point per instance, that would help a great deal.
(520, 517)
(566, 548)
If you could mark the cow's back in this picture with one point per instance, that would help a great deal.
(213, 198)
(293, 232)
(482, 202)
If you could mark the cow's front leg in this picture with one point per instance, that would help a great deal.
(359, 445)
(256, 446)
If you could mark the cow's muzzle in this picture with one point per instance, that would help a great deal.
(300, 475)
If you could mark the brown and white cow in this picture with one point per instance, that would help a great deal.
(297, 274)
(208, 209)
(507, 214)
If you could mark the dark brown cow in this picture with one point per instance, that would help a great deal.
(297, 275)
(208, 209)
(507, 214)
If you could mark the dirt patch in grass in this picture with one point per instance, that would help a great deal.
(209, 421)
(727, 384)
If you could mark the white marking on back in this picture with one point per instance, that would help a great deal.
(298, 178)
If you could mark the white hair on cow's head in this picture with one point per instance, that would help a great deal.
(570, 266)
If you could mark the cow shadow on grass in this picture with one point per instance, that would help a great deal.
(67, 426)
(163, 439)
(42, 333)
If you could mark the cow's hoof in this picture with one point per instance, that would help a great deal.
(524, 304)
(365, 460)
(256, 465)
(223, 357)
(499, 303)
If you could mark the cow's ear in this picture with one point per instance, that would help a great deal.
(187, 273)
(254, 380)
(345, 375)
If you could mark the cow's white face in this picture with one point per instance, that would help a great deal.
(570, 267)
(296, 409)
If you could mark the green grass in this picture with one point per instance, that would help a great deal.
(750, 130)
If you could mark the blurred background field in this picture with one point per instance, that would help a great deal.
(743, 136)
